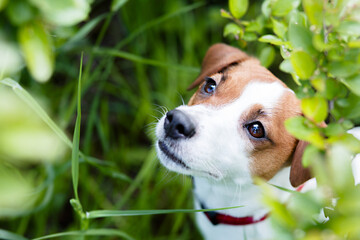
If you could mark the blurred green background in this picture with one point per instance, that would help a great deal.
(139, 57)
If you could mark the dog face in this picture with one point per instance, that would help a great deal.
(233, 127)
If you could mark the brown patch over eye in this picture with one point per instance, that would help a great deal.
(256, 129)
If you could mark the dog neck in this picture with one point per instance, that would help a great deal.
(221, 194)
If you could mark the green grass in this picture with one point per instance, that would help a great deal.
(135, 61)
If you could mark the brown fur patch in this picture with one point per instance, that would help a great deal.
(237, 78)
(268, 156)
(217, 58)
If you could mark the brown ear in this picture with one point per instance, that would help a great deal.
(299, 174)
(218, 57)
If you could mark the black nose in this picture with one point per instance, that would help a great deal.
(178, 125)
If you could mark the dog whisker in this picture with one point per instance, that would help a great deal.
(182, 99)
(161, 109)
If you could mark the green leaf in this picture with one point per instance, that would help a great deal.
(349, 28)
(37, 48)
(314, 12)
(76, 206)
(286, 66)
(3, 4)
(271, 39)
(343, 69)
(347, 140)
(348, 107)
(31, 102)
(20, 12)
(333, 88)
(298, 127)
(315, 108)
(301, 38)
(234, 30)
(11, 59)
(296, 79)
(34, 105)
(303, 64)
(319, 83)
(117, 4)
(319, 43)
(10, 236)
(238, 7)
(298, 18)
(334, 129)
(281, 8)
(347, 124)
(312, 155)
(266, 8)
(63, 12)
(21, 129)
(354, 44)
(15, 190)
(256, 26)
(279, 28)
(353, 83)
(308, 201)
(267, 56)
(225, 14)
(249, 37)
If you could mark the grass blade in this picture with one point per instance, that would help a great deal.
(120, 213)
(10, 236)
(76, 138)
(157, 21)
(48, 185)
(31, 102)
(136, 58)
(283, 189)
(82, 33)
(90, 232)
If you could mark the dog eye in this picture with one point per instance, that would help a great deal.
(209, 86)
(256, 129)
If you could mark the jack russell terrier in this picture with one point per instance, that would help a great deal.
(231, 131)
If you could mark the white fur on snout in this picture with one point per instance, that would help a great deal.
(218, 149)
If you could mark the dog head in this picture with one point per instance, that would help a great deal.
(233, 126)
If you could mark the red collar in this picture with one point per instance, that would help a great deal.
(218, 218)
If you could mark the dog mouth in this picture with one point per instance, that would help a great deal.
(165, 149)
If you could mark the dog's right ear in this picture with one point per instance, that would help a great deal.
(298, 173)
(217, 58)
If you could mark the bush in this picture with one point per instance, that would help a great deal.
(136, 54)
(319, 44)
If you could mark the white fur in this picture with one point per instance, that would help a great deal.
(224, 180)
(219, 131)
(226, 194)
